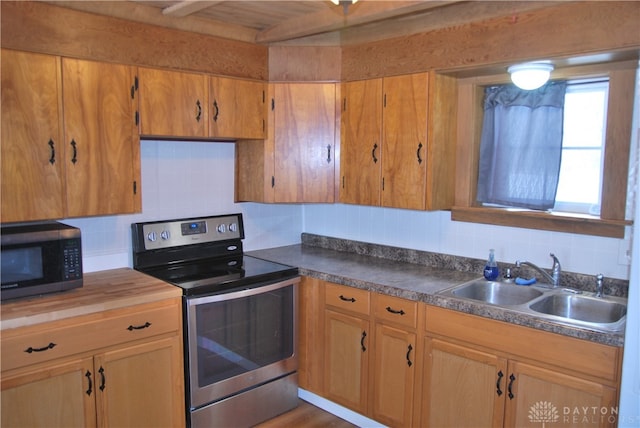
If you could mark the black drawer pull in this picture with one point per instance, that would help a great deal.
(52, 158)
(88, 376)
(364, 336)
(512, 378)
(498, 389)
(393, 311)
(139, 327)
(347, 299)
(409, 349)
(103, 380)
(31, 349)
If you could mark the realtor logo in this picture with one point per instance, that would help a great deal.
(543, 412)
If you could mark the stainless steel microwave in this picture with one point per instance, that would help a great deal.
(39, 258)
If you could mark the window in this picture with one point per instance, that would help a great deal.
(614, 160)
(585, 118)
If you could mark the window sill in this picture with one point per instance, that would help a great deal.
(558, 222)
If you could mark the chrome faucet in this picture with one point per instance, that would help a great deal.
(599, 285)
(554, 278)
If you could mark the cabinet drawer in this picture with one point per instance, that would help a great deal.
(347, 298)
(396, 309)
(45, 342)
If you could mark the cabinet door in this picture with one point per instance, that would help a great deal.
(32, 147)
(361, 142)
(305, 115)
(237, 108)
(141, 386)
(59, 395)
(394, 376)
(404, 148)
(99, 129)
(346, 365)
(173, 104)
(545, 396)
(463, 387)
(311, 334)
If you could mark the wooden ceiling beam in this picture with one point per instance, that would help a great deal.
(334, 19)
(188, 7)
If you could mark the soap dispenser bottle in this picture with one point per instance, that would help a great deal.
(491, 271)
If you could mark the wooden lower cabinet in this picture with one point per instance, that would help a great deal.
(402, 363)
(58, 395)
(140, 384)
(394, 376)
(480, 372)
(463, 387)
(347, 352)
(542, 395)
(134, 378)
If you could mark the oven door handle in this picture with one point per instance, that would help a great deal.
(249, 291)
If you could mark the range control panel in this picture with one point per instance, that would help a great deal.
(176, 233)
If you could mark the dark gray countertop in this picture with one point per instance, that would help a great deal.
(411, 275)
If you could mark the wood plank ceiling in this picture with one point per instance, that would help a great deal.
(307, 22)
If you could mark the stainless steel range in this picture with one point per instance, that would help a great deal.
(239, 318)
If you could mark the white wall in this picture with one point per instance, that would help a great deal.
(434, 231)
(184, 179)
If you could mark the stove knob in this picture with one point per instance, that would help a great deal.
(233, 227)
(165, 235)
(152, 236)
(222, 228)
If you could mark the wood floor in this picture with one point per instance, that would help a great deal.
(306, 416)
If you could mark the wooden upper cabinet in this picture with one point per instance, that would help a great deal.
(88, 166)
(398, 142)
(32, 149)
(173, 104)
(361, 142)
(237, 108)
(100, 133)
(405, 141)
(304, 136)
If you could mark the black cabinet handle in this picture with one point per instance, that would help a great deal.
(409, 349)
(512, 378)
(88, 376)
(393, 311)
(31, 349)
(364, 335)
(498, 389)
(102, 378)
(217, 110)
(418, 152)
(139, 327)
(52, 158)
(373, 153)
(198, 110)
(74, 158)
(347, 299)
(329, 153)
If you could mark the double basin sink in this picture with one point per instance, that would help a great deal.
(564, 305)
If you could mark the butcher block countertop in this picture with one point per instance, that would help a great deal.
(101, 291)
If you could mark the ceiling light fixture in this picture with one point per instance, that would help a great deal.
(530, 75)
(345, 4)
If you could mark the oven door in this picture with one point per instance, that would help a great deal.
(240, 339)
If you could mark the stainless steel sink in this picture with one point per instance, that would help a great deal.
(496, 293)
(561, 305)
(581, 307)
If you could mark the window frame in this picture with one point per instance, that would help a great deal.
(611, 222)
